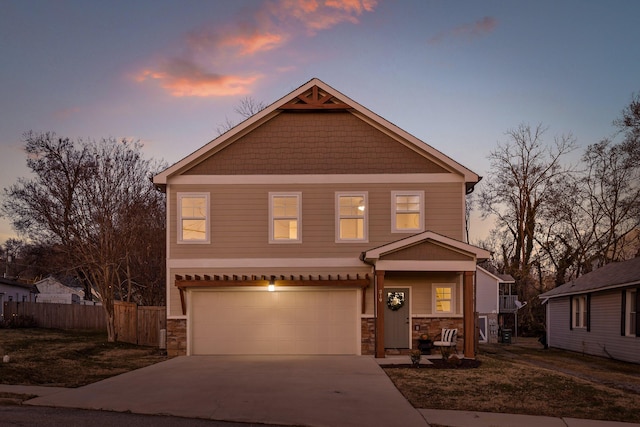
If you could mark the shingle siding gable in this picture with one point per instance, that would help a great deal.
(315, 143)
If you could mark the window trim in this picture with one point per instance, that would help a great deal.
(394, 225)
(207, 218)
(631, 296)
(452, 287)
(579, 305)
(298, 217)
(365, 217)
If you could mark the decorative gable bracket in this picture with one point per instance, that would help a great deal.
(315, 99)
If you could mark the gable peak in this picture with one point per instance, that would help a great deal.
(315, 98)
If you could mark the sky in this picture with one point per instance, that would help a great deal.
(456, 74)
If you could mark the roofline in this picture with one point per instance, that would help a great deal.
(496, 277)
(470, 177)
(589, 291)
(376, 253)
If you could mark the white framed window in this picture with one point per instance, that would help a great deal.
(443, 301)
(193, 218)
(284, 217)
(631, 311)
(407, 211)
(351, 217)
(579, 312)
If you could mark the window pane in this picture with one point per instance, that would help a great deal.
(443, 299)
(285, 229)
(408, 203)
(407, 221)
(285, 206)
(444, 306)
(193, 229)
(352, 228)
(351, 206)
(193, 207)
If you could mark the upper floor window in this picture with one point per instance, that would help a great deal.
(284, 217)
(193, 217)
(351, 217)
(579, 311)
(407, 211)
(443, 298)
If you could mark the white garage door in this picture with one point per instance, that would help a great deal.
(281, 322)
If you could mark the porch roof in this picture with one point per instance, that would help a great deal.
(427, 251)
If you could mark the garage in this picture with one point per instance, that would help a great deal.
(288, 321)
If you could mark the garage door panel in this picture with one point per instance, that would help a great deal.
(286, 322)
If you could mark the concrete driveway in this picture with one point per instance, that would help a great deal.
(289, 390)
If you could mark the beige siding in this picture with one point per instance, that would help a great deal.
(240, 216)
(421, 285)
(604, 338)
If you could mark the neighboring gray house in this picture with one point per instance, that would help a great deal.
(10, 290)
(597, 313)
(495, 298)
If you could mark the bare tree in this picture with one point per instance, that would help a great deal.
(92, 200)
(523, 174)
(246, 108)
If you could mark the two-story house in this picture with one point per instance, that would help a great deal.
(317, 227)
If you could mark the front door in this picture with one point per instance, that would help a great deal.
(396, 318)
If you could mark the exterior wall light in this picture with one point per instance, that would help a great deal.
(272, 286)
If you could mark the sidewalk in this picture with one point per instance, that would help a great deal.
(432, 416)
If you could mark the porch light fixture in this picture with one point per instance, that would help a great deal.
(272, 286)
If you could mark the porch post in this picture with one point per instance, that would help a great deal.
(469, 316)
(380, 306)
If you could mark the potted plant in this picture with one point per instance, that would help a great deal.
(415, 355)
(425, 344)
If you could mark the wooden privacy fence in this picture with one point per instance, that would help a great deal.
(58, 316)
(139, 325)
(133, 324)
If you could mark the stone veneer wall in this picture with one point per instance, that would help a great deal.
(176, 337)
(433, 327)
(368, 336)
(177, 333)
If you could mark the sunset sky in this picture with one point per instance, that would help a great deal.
(456, 74)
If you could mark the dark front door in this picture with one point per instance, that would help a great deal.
(396, 318)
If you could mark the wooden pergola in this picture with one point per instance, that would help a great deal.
(232, 281)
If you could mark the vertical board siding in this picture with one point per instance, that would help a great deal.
(603, 338)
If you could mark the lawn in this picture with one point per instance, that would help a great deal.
(51, 357)
(526, 380)
(518, 379)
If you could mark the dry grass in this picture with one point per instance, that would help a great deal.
(525, 380)
(58, 358)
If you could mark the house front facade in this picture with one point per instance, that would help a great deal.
(316, 227)
(597, 313)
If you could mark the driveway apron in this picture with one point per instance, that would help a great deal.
(291, 390)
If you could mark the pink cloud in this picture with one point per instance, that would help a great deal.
(185, 78)
(198, 70)
(321, 15)
(470, 31)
